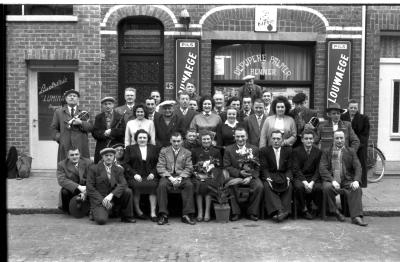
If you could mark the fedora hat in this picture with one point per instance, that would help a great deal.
(334, 106)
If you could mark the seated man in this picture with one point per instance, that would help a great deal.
(340, 170)
(119, 153)
(71, 176)
(276, 173)
(107, 188)
(175, 167)
(307, 181)
(250, 174)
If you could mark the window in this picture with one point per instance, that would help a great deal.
(396, 107)
(39, 9)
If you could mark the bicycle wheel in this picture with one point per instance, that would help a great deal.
(375, 164)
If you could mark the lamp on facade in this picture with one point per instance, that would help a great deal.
(185, 18)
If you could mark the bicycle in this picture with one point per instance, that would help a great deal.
(375, 164)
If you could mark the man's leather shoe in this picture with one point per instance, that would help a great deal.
(253, 217)
(162, 220)
(235, 217)
(339, 216)
(128, 220)
(141, 217)
(307, 215)
(154, 219)
(358, 221)
(282, 215)
(188, 220)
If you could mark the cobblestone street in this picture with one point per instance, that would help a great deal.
(60, 238)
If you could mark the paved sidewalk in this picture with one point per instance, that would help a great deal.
(39, 194)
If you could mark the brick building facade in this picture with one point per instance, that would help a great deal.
(95, 42)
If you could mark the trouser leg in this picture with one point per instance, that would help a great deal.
(354, 200)
(256, 190)
(300, 194)
(162, 195)
(100, 214)
(125, 202)
(286, 199)
(317, 195)
(330, 194)
(234, 191)
(187, 196)
(272, 200)
(66, 197)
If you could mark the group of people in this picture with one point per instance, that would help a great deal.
(161, 147)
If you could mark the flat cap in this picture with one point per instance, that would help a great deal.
(299, 98)
(167, 103)
(248, 77)
(107, 150)
(118, 145)
(108, 98)
(71, 91)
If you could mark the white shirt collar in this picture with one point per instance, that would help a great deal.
(176, 151)
(204, 113)
(184, 110)
(232, 126)
(259, 117)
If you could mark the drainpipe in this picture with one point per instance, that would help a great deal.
(363, 36)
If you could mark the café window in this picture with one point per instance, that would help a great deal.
(283, 68)
(39, 10)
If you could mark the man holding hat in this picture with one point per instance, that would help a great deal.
(109, 127)
(70, 126)
(326, 129)
(166, 123)
(301, 115)
(107, 189)
(250, 89)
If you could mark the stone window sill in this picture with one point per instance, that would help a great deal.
(41, 18)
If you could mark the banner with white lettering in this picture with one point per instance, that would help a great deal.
(339, 66)
(187, 64)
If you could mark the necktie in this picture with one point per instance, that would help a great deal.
(337, 165)
(72, 112)
(108, 169)
(76, 165)
(259, 122)
(277, 158)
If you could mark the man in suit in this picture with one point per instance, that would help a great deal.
(249, 174)
(254, 122)
(341, 173)
(68, 129)
(184, 113)
(157, 97)
(175, 168)
(325, 129)
(127, 109)
(71, 176)
(267, 98)
(151, 108)
(276, 173)
(249, 89)
(360, 125)
(166, 124)
(301, 115)
(191, 91)
(219, 99)
(247, 109)
(109, 127)
(307, 181)
(107, 189)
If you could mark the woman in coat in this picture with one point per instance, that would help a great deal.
(226, 131)
(141, 175)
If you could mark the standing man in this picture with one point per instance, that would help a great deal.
(175, 168)
(151, 108)
(267, 98)
(255, 122)
(276, 173)
(184, 113)
(307, 181)
(219, 100)
(157, 97)
(360, 125)
(191, 90)
(109, 127)
(166, 124)
(71, 176)
(325, 129)
(250, 175)
(249, 89)
(247, 108)
(70, 127)
(107, 188)
(127, 109)
(341, 172)
(301, 116)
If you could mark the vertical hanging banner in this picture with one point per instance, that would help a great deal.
(187, 64)
(339, 66)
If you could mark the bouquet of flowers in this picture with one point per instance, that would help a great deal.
(247, 160)
(203, 169)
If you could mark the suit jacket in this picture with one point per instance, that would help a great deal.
(253, 129)
(126, 112)
(302, 116)
(360, 125)
(98, 186)
(65, 137)
(167, 163)
(306, 167)
(252, 90)
(325, 135)
(231, 160)
(185, 119)
(117, 132)
(289, 127)
(350, 162)
(163, 131)
(268, 162)
(133, 158)
(70, 177)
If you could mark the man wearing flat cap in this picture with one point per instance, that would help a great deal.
(107, 189)
(167, 123)
(302, 116)
(109, 127)
(250, 89)
(326, 129)
(70, 126)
